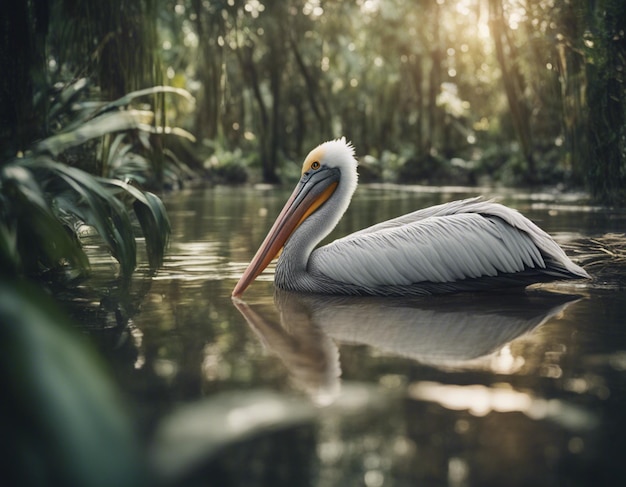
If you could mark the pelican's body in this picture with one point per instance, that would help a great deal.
(464, 245)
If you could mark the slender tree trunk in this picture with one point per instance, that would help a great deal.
(312, 89)
(573, 82)
(210, 63)
(248, 68)
(418, 80)
(434, 121)
(127, 35)
(513, 86)
(269, 169)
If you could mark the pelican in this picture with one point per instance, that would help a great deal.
(467, 245)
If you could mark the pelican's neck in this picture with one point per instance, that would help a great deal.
(295, 255)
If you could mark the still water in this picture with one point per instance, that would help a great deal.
(460, 390)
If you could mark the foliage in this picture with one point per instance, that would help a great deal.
(65, 423)
(44, 201)
(93, 120)
(453, 80)
(126, 131)
(32, 238)
(450, 79)
(113, 43)
(225, 165)
(62, 419)
(605, 55)
(287, 76)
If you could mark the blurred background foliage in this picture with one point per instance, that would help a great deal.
(79, 140)
(467, 91)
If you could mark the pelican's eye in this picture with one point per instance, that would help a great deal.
(315, 165)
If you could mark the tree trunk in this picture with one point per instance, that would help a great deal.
(418, 80)
(210, 63)
(434, 116)
(312, 89)
(607, 105)
(513, 86)
(25, 25)
(573, 82)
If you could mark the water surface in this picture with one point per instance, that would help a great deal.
(459, 391)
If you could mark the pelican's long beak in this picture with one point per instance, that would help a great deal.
(311, 192)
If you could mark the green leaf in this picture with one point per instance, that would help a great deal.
(125, 100)
(97, 207)
(152, 217)
(104, 124)
(32, 234)
(129, 97)
(67, 96)
(60, 414)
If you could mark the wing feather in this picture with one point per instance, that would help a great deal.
(437, 247)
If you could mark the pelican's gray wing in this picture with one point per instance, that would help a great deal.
(448, 243)
(469, 205)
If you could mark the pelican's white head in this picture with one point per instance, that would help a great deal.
(338, 153)
(329, 179)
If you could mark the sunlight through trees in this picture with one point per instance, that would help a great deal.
(515, 92)
(497, 83)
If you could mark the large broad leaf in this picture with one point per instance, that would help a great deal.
(152, 217)
(154, 90)
(107, 118)
(123, 163)
(97, 127)
(62, 102)
(92, 109)
(107, 123)
(33, 238)
(61, 419)
(96, 206)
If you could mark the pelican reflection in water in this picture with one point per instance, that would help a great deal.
(448, 331)
(466, 245)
